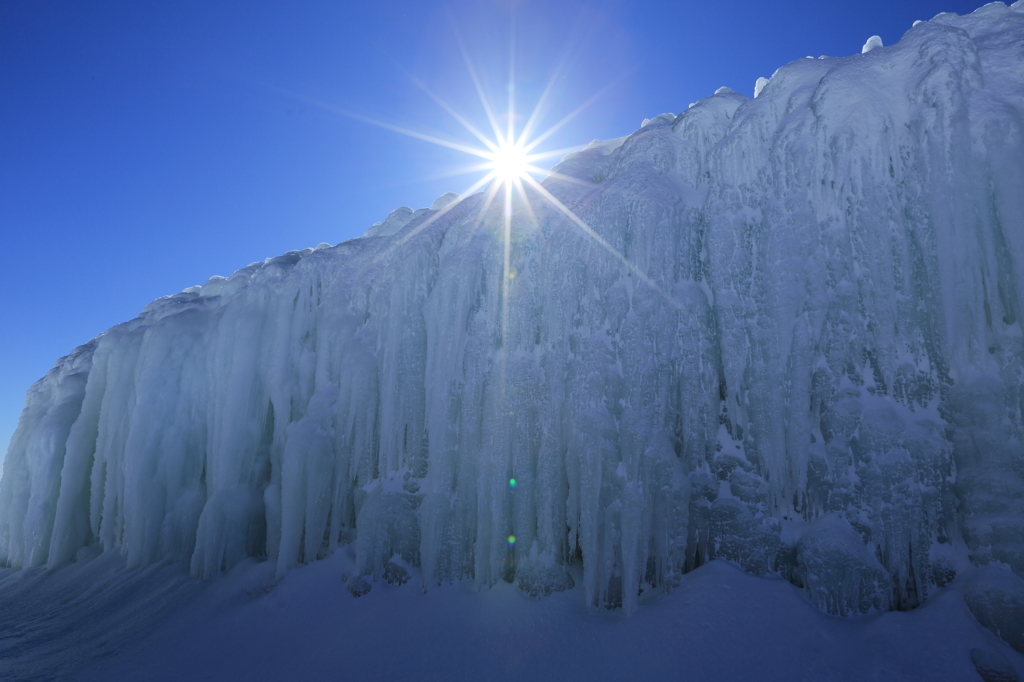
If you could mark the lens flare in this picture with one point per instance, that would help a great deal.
(511, 540)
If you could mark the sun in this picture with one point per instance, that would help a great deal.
(509, 163)
(508, 159)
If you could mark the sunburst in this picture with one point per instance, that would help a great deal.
(508, 160)
(509, 163)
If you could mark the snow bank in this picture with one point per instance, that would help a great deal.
(719, 624)
(832, 333)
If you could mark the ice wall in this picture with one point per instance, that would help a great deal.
(812, 367)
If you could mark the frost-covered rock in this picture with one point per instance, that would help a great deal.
(815, 317)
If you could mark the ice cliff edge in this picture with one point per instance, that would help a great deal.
(826, 381)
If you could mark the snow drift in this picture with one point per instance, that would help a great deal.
(815, 366)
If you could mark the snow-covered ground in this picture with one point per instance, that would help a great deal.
(719, 624)
(781, 332)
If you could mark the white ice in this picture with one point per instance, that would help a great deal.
(872, 43)
(826, 335)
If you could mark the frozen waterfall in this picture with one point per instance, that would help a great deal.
(826, 380)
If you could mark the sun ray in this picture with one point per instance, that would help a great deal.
(492, 192)
(476, 83)
(542, 100)
(434, 218)
(588, 184)
(599, 239)
(466, 170)
(420, 136)
(571, 115)
(458, 117)
(554, 152)
(524, 135)
(526, 200)
(484, 154)
(560, 176)
(506, 264)
(510, 138)
(509, 162)
(448, 108)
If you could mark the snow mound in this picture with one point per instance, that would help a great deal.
(660, 118)
(873, 43)
(395, 221)
(445, 200)
(804, 357)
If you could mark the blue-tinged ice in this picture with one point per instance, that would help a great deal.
(820, 373)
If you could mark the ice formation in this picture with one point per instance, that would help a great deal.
(814, 366)
(872, 43)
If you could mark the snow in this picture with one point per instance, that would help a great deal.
(720, 624)
(803, 357)
(759, 86)
(662, 118)
(445, 200)
(873, 43)
(395, 221)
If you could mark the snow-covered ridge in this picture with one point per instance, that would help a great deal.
(827, 382)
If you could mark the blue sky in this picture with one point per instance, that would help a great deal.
(147, 146)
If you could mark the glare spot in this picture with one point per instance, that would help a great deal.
(511, 483)
(511, 540)
(509, 163)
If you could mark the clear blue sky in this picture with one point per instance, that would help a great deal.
(147, 146)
